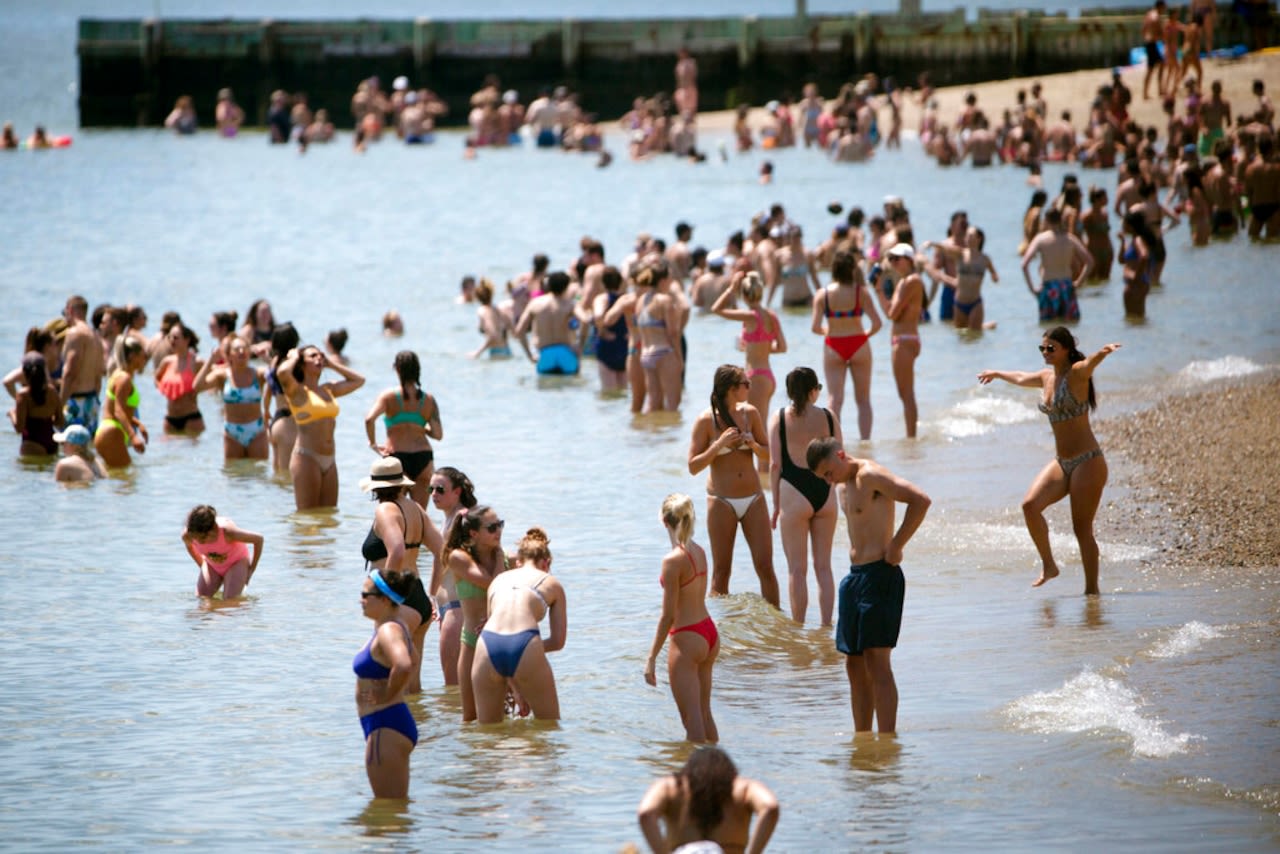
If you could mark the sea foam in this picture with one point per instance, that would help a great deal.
(1092, 702)
(1228, 367)
(1185, 640)
(980, 415)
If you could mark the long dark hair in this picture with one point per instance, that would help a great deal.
(1062, 336)
(35, 374)
(727, 377)
(408, 369)
(463, 530)
(709, 774)
(299, 369)
(462, 483)
(800, 383)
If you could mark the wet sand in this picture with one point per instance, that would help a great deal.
(1202, 470)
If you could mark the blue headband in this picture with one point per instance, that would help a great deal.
(385, 588)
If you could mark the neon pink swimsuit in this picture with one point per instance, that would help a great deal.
(221, 555)
(760, 334)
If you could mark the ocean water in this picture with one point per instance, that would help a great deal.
(132, 717)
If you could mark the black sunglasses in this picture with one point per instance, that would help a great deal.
(365, 594)
(494, 527)
(1048, 348)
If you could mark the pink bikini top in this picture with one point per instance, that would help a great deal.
(761, 333)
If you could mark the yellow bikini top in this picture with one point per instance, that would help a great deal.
(317, 407)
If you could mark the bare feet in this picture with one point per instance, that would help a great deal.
(1046, 574)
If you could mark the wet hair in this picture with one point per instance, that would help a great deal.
(611, 278)
(800, 384)
(678, 515)
(1062, 335)
(844, 267)
(541, 263)
(463, 530)
(819, 450)
(752, 287)
(460, 482)
(35, 374)
(855, 217)
(226, 320)
(534, 546)
(709, 775)
(558, 282)
(409, 370)
(202, 519)
(727, 378)
(284, 337)
(337, 340)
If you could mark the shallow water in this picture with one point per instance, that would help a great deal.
(132, 716)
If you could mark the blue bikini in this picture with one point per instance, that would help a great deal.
(397, 717)
(505, 651)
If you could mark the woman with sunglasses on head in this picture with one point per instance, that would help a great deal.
(400, 531)
(761, 334)
(244, 433)
(727, 439)
(511, 651)
(315, 411)
(1079, 472)
(473, 554)
(837, 316)
(410, 416)
(175, 378)
(452, 493)
(383, 668)
(695, 642)
(804, 505)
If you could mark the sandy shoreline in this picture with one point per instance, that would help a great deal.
(1072, 91)
(1202, 468)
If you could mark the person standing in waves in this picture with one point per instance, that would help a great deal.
(871, 595)
(1079, 471)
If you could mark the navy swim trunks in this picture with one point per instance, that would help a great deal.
(870, 607)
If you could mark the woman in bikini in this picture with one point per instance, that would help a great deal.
(837, 316)
(259, 325)
(972, 266)
(904, 311)
(657, 319)
(473, 555)
(411, 416)
(452, 493)
(761, 335)
(727, 437)
(1031, 220)
(1079, 472)
(804, 506)
(695, 643)
(511, 651)
(1135, 255)
(120, 427)
(315, 410)
(282, 431)
(400, 531)
(244, 433)
(796, 269)
(221, 551)
(383, 669)
(175, 377)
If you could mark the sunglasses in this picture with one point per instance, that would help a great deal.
(494, 527)
(1048, 348)
(365, 594)
(437, 490)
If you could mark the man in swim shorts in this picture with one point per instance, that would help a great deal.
(83, 367)
(554, 322)
(871, 595)
(1152, 30)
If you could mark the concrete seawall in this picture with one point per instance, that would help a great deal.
(132, 71)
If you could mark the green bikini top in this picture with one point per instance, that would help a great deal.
(131, 401)
(467, 590)
(405, 416)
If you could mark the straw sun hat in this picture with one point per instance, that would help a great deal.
(383, 473)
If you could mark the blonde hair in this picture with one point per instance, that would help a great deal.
(677, 514)
(752, 287)
(534, 546)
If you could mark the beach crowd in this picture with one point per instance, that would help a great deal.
(770, 468)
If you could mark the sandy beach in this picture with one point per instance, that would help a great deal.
(1072, 91)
